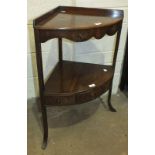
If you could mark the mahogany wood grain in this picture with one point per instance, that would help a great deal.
(78, 24)
(60, 49)
(72, 79)
(78, 18)
(71, 82)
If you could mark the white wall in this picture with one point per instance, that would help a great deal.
(96, 51)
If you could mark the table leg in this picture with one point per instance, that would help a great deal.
(45, 126)
(111, 108)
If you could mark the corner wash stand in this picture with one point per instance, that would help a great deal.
(75, 82)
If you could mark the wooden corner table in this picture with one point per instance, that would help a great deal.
(75, 82)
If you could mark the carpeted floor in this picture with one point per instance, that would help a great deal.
(85, 129)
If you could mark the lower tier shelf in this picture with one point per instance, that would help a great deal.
(76, 82)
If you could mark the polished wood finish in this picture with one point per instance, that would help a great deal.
(113, 65)
(41, 87)
(79, 18)
(78, 24)
(60, 49)
(124, 78)
(64, 20)
(69, 83)
(75, 82)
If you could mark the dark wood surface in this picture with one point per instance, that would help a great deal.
(70, 82)
(72, 79)
(78, 18)
(124, 78)
(77, 23)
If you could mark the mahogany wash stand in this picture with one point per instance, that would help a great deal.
(75, 82)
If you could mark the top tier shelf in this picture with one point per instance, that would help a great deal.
(78, 23)
(65, 18)
(79, 18)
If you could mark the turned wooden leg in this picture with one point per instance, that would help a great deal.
(111, 108)
(45, 127)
